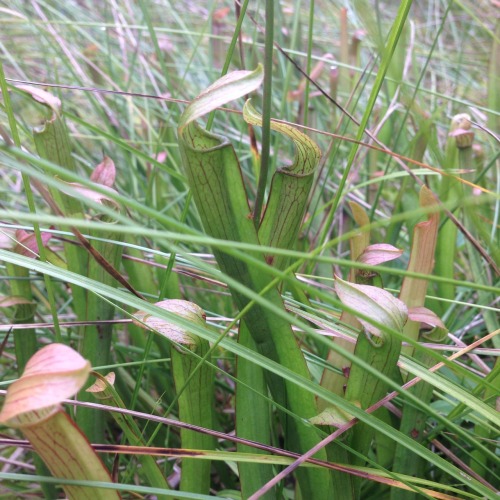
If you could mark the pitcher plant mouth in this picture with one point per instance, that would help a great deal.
(34, 406)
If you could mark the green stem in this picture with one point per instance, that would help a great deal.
(96, 341)
(413, 424)
(266, 113)
(230, 52)
(134, 435)
(25, 341)
(394, 36)
(365, 390)
(26, 353)
(252, 418)
(309, 53)
(195, 407)
(450, 190)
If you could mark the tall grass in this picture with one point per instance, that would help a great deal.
(385, 83)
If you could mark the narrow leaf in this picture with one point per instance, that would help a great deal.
(104, 390)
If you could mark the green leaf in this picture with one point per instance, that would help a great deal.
(288, 374)
(226, 89)
(332, 416)
(289, 191)
(216, 182)
(103, 389)
(193, 381)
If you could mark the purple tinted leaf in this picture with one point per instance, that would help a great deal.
(379, 253)
(27, 244)
(429, 321)
(104, 173)
(373, 302)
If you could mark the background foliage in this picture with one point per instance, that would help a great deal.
(124, 72)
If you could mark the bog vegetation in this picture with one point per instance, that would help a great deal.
(256, 246)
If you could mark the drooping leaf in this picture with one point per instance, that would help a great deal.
(290, 188)
(434, 328)
(379, 253)
(169, 329)
(13, 300)
(101, 384)
(27, 244)
(333, 416)
(43, 97)
(51, 137)
(54, 373)
(86, 192)
(228, 88)
(373, 302)
(104, 173)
